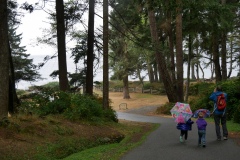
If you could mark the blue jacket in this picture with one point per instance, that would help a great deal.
(185, 126)
(201, 124)
(213, 97)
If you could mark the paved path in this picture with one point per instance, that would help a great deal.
(163, 143)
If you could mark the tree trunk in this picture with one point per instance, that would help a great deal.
(168, 85)
(171, 46)
(150, 73)
(172, 60)
(188, 68)
(139, 75)
(224, 56)
(198, 61)
(89, 76)
(193, 71)
(212, 70)
(231, 59)
(216, 58)
(62, 62)
(224, 50)
(156, 78)
(125, 87)
(13, 99)
(201, 71)
(4, 60)
(105, 56)
(179, 52)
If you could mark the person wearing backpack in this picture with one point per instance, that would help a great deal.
(220, 98)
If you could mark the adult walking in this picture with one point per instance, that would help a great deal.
(220, 115)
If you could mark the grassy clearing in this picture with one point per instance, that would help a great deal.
(53, 137)
(135, 135)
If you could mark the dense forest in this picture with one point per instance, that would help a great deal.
(140, 36)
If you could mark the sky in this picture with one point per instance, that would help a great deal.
(31, 28)
(32, 25)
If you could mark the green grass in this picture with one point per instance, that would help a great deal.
(234, 127)
(231, 126)
(117, 150)
(112, 151)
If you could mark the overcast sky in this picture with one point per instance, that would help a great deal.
(32, 27)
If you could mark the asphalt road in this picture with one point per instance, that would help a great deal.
(164, 144)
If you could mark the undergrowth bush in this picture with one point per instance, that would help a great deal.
(202, 91)
(83, 107)
(165, 109)
(72, 106)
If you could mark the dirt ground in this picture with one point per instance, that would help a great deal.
(137, 100)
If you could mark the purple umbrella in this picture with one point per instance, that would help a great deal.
(206, 113)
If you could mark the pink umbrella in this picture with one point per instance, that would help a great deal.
(181, 112)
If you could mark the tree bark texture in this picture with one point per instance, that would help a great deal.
(224, 56)
(62, 62)
(215, 52)
(13, 98)
(193, 71)
(4, 60)
(179, 52)
(125, 87)
(105, 56)
(189, 66)
(90, 44)
(224, 50)
(156, 79)
(150, 73)
(171, 94)
(231, 59)
(171, 45)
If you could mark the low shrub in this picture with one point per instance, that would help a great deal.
(72, 106)
(165, 109)
(204, 90)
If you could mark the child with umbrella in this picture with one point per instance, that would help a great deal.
(201, 125)
(182, 114)
(184, 127)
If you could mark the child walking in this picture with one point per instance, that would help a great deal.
(184, 128)
(201, 125)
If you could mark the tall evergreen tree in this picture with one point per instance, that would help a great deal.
(105, 56)
(61, 44)
(4, 60)
(24, 69)
(90, 57)
(179, 50)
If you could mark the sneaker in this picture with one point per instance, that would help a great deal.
(225, 138)
(203, 145)
(218, 139)
(181, 139)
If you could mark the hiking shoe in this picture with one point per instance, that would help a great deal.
(225, 138)
(181, 139)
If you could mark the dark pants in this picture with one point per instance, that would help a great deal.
(184, 133)
(221, 119)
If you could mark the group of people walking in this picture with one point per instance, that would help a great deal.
(220, 119)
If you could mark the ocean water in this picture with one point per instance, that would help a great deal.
(48, 68)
